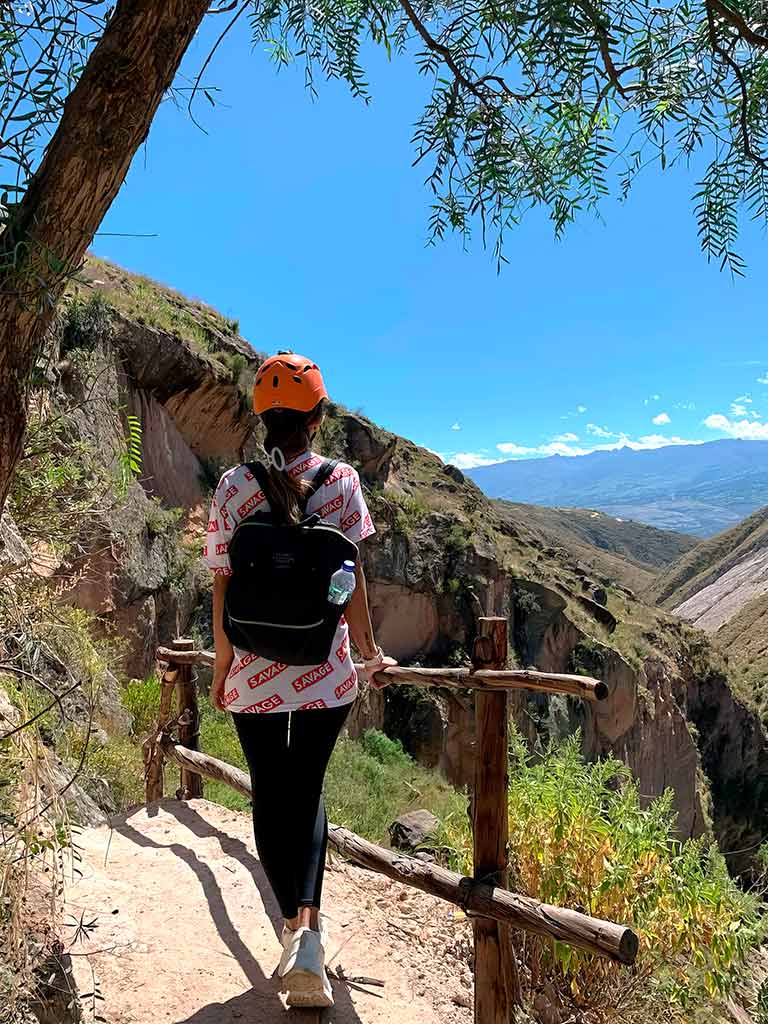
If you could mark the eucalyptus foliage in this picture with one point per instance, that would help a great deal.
(542, 103)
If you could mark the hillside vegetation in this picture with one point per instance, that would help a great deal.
(710, 560)
(623, 550)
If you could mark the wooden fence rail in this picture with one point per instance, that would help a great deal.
(475, 896)
(495, 911)
(452, 678)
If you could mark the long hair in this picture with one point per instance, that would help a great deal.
(288, 432)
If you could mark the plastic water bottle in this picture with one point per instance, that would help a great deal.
(343, 584)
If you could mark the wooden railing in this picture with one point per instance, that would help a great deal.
(494, 910)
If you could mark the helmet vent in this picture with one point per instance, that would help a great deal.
(275, 381)
(307, 368)
(297, 379)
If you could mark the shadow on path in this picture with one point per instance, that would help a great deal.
(261, 1004)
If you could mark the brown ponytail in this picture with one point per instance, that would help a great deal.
(288, 431)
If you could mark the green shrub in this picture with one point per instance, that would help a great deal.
(371, 781)
(85, 324)
(383, 749)
(141, 699)
(579, 837)
(458, 539)
(161, 520)
(409, 512)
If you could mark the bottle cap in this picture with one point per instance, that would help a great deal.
(349, 566)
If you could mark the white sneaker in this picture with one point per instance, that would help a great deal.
(289, 934)
(322, 927)
(305, 980)
(287, 940)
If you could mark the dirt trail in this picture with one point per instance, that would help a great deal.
(186, 930)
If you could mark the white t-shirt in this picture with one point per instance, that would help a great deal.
(256, 684)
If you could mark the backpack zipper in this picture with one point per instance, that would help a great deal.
(277, 625)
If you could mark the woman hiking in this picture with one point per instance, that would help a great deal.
(283, 663)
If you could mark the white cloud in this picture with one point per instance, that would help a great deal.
(456, 426)
(566, 437)
(652, 398)
(687, 406)
(468, 460)
(578, 411)
(510, 448)
(763, 379)
(581, 409)
(661, 419)
(748, 430)
(739, 410)
(593, 428)
(517, 451)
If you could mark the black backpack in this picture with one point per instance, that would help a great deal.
(276, 602)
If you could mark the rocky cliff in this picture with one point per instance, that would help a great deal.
(442, 553)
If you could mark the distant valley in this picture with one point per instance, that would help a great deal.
(696, 489)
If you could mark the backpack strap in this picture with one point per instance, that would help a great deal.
(325, 470)
(261, 473)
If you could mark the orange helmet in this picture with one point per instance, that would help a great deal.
(288, 381)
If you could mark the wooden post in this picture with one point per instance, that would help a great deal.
(154, 759)
(490, 825)
(191, 784)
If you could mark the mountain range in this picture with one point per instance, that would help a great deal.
(699, 489)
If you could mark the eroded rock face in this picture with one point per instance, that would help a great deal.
(14, 553)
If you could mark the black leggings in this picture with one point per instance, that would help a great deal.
(287, 775)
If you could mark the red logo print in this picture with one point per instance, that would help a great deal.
(331, 506)
(250, 505)
(240, 665)
(248, 474)
(226, 522)
(213, 525)
(349, 522)
(339, 473)
(313, 676)
(205, 550)
(266, 674)
(221, 549)
(269, 704)
(343, 651)
(367, 524)
(231, 492)
(355, 486)
(230, 696)
(346, 686)
(310, 463)
(313, 704)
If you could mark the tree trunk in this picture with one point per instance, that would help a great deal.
(104, 121)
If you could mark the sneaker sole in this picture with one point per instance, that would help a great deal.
(305, 988)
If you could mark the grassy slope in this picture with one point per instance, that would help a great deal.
(745, 642)
(709, 560)
(620, 549)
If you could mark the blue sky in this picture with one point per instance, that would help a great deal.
(306, 221)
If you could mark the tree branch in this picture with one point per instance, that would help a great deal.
(737, 21)
(604, 42)
(727, 59)
(475, 87)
